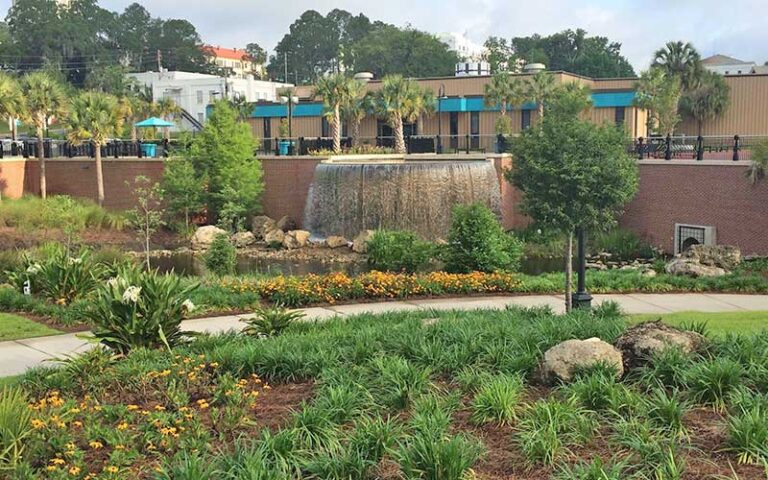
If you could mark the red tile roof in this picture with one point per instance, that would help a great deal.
(230, 53)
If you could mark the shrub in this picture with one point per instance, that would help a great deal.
(622, 245)
(597, 390)
(398, 251)
(443, 457)
(594, 470)
(140, 309)
(666, 411)
(221, 257)
(711, 382)
(748, 435)
(271, 321)
(497, 399)
(398, 381)
(15, 426)
(477, 242)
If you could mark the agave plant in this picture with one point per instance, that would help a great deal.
(270, 322)
(15, 426)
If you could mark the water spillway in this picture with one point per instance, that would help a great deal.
(347, 196)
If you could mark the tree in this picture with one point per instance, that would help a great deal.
(44, 98)
(11, 101)
(399, 100)
(167, 109)
(708, 100)
(759, 162)
(147, 216)
(659, 94)
(357, 107)
(504, 92)
(183, 189)
(257, 54)
(94, 117)
(222, 156)
(573, 174)
(311, 48)
(569, 100)
(499, 55)
(539, 88)
(337, 90)
(680, 60)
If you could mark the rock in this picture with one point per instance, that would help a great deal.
(274, 237)
(243, 239)
(564, 359)
(203, 237)
(692, 268)
(261, 225)
(639, 343)
(286, 223)
(649, 273)
(295, 239)
(336, 241)
(360, 243)
(722, 256)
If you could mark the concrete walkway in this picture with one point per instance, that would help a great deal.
(19, 355)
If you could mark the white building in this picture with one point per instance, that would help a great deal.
(466, 48)
(193, 92)
(725, 65)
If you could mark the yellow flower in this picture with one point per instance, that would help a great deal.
(37, 424)
(119, 447)
(77, 423)
(111, 469)
(159, 408)
(58, 461)
(51, 468)
(131, 408)
(94, 444)
(70, 446)
(123, 426)
(74, 470)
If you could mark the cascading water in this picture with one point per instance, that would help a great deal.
(347, 197)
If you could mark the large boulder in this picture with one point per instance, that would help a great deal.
(204, 236)
(691, 268)
(566, 358)
(360, 243)
(261, 225)
(286, 223)
(641, 342)
(336, 241)
(296, 239)
(274, 237)
(722, 256)
(243, 239)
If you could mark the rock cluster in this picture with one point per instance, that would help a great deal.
(705, 261)
(640, 343)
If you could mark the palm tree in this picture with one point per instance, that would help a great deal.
(679, 59)
(166, 108)
(44, 97)
(11, 101)
(539, 89)
(94, 118)
(504, 92)
(401, 100)
(708, 100)
(337, 91)
(357, 107)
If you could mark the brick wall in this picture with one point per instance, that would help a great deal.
(12, 178)
(287, 183)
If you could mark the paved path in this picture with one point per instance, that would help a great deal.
(19, 355)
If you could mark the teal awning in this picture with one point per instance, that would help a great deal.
(154, 122)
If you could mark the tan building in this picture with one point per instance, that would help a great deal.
(234, 62)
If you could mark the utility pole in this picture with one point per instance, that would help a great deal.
(159, 61)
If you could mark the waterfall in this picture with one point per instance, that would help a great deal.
(417, 195)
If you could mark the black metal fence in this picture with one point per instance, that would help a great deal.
(65, 149)
(701, 148)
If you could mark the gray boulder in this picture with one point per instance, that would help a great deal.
(243, 239)
(692, 268)
(722, 256)
(274, 237)
(204, 236)
(286, 223)
(336, 241)
(641, 342)
(566, 358)
(261, 225)
(294, 239)
(360, 243)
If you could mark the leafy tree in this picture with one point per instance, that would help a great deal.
(499, 55)
(337, 90)
(311, 47)
(680, 60)
(400, 100)
(183, 189)
(257, 54)
(44, 98)
(351, 29)
(504, 92)
(221, 257)
(132, 35)
(388, 50)
(573, 174)
(708, 100)
(222, 156)
(659, 93)
(11, 100)
(94, 117)
(147, 216)
(539, 89)
(570, 100)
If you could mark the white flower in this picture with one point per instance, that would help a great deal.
(131, 294)
(75, 260)
(188, 305)
(112, 282)
(34, 268)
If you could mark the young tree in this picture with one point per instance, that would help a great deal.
(499, 55)
(505, 92)
(147, 216)
(539, 88)
(573, 174)
(94, 117)
(44, 98)
(659, 93)
(11, 101)
(400, 100)
(182, 188)
(337, 90)
(708, 100)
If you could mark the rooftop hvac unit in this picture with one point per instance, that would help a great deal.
(472, 69)
(688, 235)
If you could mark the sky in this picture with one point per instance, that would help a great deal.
(733, 27)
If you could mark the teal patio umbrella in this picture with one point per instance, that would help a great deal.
(153, 122)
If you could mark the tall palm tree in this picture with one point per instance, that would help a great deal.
(401, 100)
(94, 117)
(44, 97)
(504, 91)
(337, 90)
(679, 59)
(11, 101)
(167, 109)
(358, 106)
(708, 100)
(539, 89)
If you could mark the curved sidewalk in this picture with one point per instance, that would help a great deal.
(19, 355)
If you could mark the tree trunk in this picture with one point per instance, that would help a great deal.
(14, 130)
(355, 131)
(336, 129)
(503, 109)
(41, 164)
(700, 126)
(540, 111)
(146, 239)
(134, 134)
(99, 174)
(568, 271)
(398, 132)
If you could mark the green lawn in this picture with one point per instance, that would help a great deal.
(718, 323)
(13, 327)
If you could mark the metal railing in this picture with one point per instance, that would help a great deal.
(711, 147)
(28, 148)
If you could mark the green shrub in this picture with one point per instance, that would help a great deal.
(398, 251)
(497, 400)
(15, 426)
(477, 242)
(713, 381)
(597, 390)
(748, 435)
(594, 470)
(271, 321)
(140, 309)
(622, 245)
(57, 212)
(666, 411)
(221, 257)
(397, 380)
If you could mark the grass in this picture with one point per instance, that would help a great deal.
(718, 324)
(13, 327)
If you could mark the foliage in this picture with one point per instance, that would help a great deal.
(594, 470)
(147, 216)
(569, 100)
(182, 188)
(506, 93)
(711, 382)
(271, 321)
(11, 99)
(621, 244)
(659, 93)
(709, 99)
(680, 60)
(15, 426)
(539, 89)
(477, 242)
(221, 257)
(256, 54)
(401, 100)
(57, 212)
(748, 434)
(337, 90)
(398, 251)
(497, 399)
(140, 310)
(759, 162)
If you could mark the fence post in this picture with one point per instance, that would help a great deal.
(736, 148)
(277, 146)
(467, 144)
(700, 148)
(668, 148)
(640, 152)
(117, 144)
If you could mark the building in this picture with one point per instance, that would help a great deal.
(233, 62)
(466, 48)
(193, 92)
(725, 65)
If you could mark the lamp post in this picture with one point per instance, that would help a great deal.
(582, 298)
(290, 101)
(440, 96)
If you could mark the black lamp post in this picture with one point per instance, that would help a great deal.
(582, 298)
(440, 96)
(290, 100)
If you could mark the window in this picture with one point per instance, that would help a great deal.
(525, 120)
(200, 97)
(474, 129)
(267, 129)
(211, 96)
(325, 127)
(201, 117)
(410, 129)
(454, 130)
(619, 115)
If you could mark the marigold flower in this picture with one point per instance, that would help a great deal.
(122, 426)
(74, 470)
(37, 424)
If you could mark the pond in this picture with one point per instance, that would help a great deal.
(189, 264)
